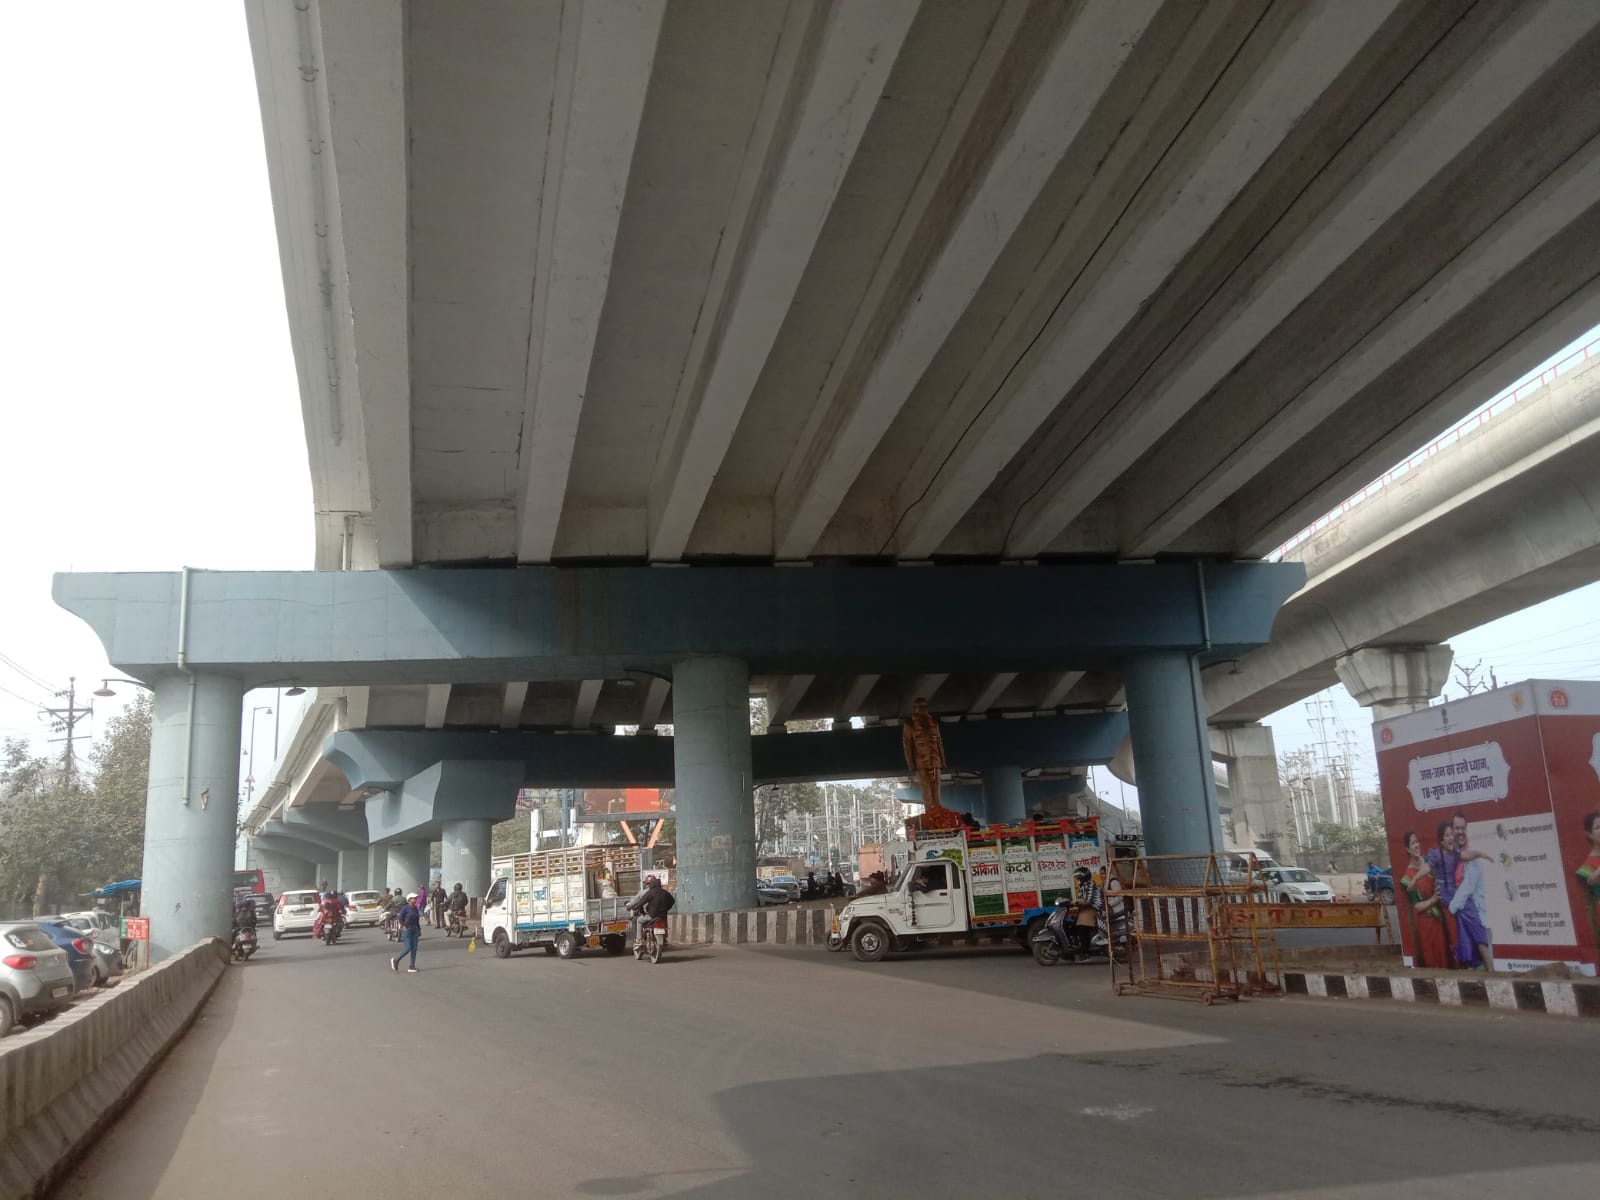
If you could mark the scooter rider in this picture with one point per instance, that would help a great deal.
(652, 903)
(1090, 908)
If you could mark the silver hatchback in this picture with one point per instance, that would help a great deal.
(35, 974)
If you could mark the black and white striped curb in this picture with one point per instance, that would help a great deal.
(756, 927)
(1558, 996)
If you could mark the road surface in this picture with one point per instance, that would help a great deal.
(728, 1074)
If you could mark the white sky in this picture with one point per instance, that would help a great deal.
(152, 416)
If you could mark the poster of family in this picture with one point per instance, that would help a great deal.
(1492, 805)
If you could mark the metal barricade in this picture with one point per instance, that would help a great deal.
(1193, 930)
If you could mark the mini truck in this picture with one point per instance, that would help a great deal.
(562, 900)
(949, 884)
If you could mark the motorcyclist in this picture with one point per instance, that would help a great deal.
(458, 899)
(333, 912)
(1089, 905)
(652, 903)
(244, 914)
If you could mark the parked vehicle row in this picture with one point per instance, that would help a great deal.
(36, 975)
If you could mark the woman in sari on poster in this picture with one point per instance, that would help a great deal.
(1427, 915)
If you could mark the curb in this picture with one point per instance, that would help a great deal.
(1558, 997)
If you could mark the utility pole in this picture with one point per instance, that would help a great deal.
(65, 720)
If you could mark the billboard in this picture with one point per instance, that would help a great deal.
(607, 804)
(1487, 804)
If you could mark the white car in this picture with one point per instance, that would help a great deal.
(1295, 885)
(366, 908)
(100, 925)
(767, 895)
(296, 911)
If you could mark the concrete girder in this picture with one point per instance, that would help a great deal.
(655, 697)
(1060, 688)
(436, 706)
(1393, 680)
(991, 692)
(394, 761)
(588, 697)
(951, 476)
(787, 699)
(922, 687)
(870, 381)
(828, 74)
(473, 626)
(312, 852)
(512, 700)
(357, 701)
(854, 697)
(603, 73)
(1168, 498)
(334, 827)
(361, 49)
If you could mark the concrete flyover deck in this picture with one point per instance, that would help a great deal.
(803, 1074)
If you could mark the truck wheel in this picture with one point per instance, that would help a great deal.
(869, 942)
(614, 943)
(502, 944)
(566, 943)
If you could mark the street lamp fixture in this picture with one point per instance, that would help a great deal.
(104, 690)
(296, 690)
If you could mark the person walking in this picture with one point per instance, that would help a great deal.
(410, 934)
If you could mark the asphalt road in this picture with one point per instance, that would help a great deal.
(730, 1074)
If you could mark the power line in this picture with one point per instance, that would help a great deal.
(19, 696)
(37, 680)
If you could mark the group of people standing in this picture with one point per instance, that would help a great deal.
(1445, 887)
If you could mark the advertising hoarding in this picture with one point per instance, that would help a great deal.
(1496, 789)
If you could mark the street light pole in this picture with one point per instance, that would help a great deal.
(250, 753)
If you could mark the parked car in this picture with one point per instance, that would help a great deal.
(35, 974)
(788, 883)
(766, 894)
(91, 961)
(296, 912)
(366, 908)
(1295, 885)
(103, 926)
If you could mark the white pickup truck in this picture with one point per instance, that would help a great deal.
(562, 900)
(952, 883)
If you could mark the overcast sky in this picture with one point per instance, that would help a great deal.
(151, 417)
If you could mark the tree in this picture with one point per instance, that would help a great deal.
(1372, 838)
(120, 784)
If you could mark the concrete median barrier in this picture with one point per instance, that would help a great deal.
(788, 926)
(63, 1081)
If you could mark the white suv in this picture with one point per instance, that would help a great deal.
(296, 911)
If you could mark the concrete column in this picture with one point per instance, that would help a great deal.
(1395, 680)
(1171, 754)
(408, 865)
(377, 865)
(1002, 794)
(711, 768)
(191, 810)
(1260, 811)
(328, 871)
(352, 870)
(464, 858)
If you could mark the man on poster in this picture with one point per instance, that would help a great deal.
(1472, 933)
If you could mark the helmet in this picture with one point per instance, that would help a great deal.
(1081, 873)
(651, 881)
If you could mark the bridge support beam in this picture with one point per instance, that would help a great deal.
(712, 776)
(1394, 680)
(352, 870)
(1172, 754)
(191, 810)
(1259, 811)
(378, 865)
(464, 857)
(408, 865)
(1002, 795)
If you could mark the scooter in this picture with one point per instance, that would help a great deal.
(1051, 942)
(328, 932)
(244, 942)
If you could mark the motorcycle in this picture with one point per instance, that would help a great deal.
(244, 942)
(391, 927)
(455, 924)
(326, 931)
(1051, 942)
(1379, 887)
(652, 940)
